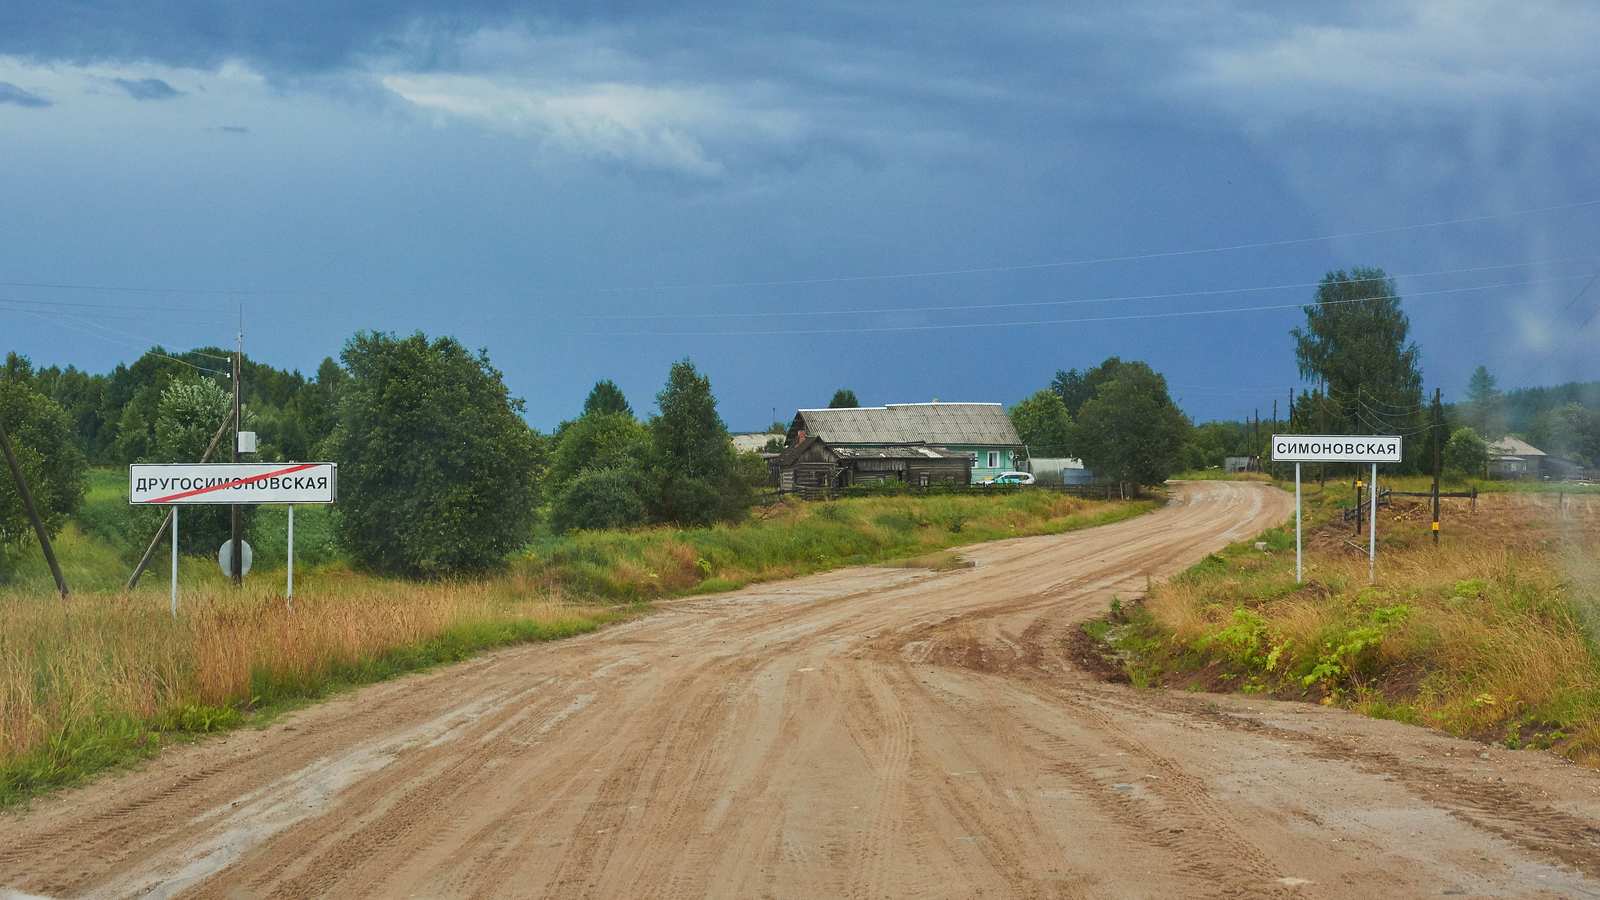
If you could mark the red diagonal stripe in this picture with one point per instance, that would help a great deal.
(234, 483)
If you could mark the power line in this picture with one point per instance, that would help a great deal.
(112, 306)
(1131, 257)
(1088, 319)
(148, 352)
(1039, 303)
(93, 324)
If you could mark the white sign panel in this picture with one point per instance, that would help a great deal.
(1360, 448)
(204, 483)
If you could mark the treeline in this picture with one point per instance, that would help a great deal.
(439, 472)
(113, 416)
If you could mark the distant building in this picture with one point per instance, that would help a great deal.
(980, 431)
(1513, 458)
(753, 441)
(1234, 464)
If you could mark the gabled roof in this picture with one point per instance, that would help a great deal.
(1511, 446)
(899, 452)
(912, 423)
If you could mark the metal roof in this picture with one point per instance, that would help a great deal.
(918, 452)
(1511, 446)
(913, 423)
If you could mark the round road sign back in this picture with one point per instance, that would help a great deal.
(225, 557)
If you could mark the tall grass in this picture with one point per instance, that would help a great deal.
(796, 538)
(103, 678)
(1493, 634)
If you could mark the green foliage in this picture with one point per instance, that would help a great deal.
(1485, 407)
(599, 498)
(1043, 424)
(1355, 340)
(598, 440)
(1077, 388)
(437, 469)
(188, 415)
(41, 436)
(1131, 431)
(692, 460)
(844, 398)
(1571, 431)
(1210, 444)
(1347, 653)
(606, 397)
(1465, 453)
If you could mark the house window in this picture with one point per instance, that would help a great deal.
(994, 459)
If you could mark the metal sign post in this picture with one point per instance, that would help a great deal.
(226, 484)
(1372, 529)
(289, 590)
(1326, 448)
(174, 562)
(1299, 565)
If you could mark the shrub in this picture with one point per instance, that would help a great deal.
(604, 498)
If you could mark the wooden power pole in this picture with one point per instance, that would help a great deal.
(236, 559)
(32, 511)
(1438, 439)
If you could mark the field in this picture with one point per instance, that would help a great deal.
(1491, 635)
(107, 677)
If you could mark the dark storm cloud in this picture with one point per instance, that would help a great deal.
(10, 93)
(290, 36)
(147, 88)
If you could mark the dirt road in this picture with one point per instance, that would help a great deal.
(865, 733)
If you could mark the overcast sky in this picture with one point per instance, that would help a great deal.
(758, 185)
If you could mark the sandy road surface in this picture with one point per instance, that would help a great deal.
(865, 733)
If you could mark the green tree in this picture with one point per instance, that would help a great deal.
(694, 481)
(437, 469)
(1466, 453)
(187, 418)
(1485, 407)
(1042, 422)
(599, 440)
(1571, 431)
(599, 498)
(41, 434)
(1077, 388)
(1356, 341)
(606, 397)
(1131, 431)
(844, 398)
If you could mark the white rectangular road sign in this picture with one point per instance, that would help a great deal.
(225, 483)
(1359, 448)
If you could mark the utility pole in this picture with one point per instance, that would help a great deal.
(1438, 438)
(236, 558)
(166, 523)
(32, 511)
(1255, 439)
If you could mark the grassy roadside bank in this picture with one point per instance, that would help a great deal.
(1494, 635)
(108, 678)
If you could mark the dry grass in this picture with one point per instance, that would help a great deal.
(1492, 634)
(104, 677)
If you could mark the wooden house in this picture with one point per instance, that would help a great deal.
(814, 464)
(982, 432)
